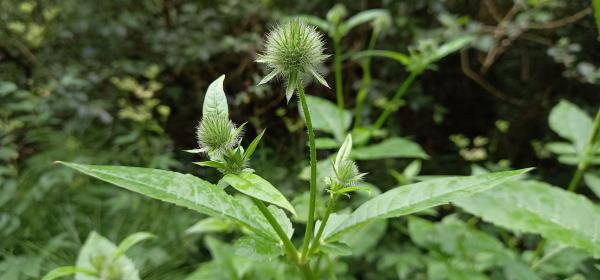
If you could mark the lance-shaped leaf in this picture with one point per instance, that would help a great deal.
(215, 101)
(180, 189)
(395, 147)
(536, 207)
(360, 18)
(413, 198)
(129, 242)
(66, 271)
(255, 186)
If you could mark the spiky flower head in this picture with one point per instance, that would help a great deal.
(293, 50)
(347, 174)
(216, 134)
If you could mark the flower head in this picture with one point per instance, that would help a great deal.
(347, 174)
(293, 49)
(217, 134)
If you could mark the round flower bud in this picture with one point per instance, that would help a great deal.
(216, 134)
(292, 50)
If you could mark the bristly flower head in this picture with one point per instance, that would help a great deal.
(293, 49)
(217, 134)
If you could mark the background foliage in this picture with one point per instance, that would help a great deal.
(122, 82)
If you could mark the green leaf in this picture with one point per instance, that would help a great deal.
(560, 148)
(215, 101)
(257, 249)
(211, 224)
(326, 143)
(129, 242)
(360, 18)
(211, 163)
(572, 123)
(417, 197)
(400, 57)
(344, 152)
(336, 249)
(232, 266)
(326, 117)
(536, 207)
(593, 182)
(250, 151)
(255, 186)
(282, 220)
(320, 23)
(180, 189)
(96, 255)
(395, 147)
(66, 271)
(451, 46)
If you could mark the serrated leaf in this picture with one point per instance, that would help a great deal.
(98, 251)
(420, 196)
(180, 189)
(282, 220)
(255, 186)
(394, 147)
(66, 271)
(215, 102)
(572, 123)
(536, 207)
(326, 117)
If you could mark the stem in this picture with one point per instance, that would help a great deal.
(548, 256)
(397, 96)
(313, 174)
(289, 247)
(366, 81)
(587, 153)
(317, 240)
(337, 64)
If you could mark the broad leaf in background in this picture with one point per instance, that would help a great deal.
(537, 207)
(215, 101)
(417, 197)
(211, 224)
(395, 147)
(257, 249)
(571, 123)
(255, 186)
(180, 189)
(592, 180)
(326, 117)
(97, 255)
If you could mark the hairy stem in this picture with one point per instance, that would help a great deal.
(289, 247)
(337, 64)
(317, 240)
(313, 173)
(366, 81)
(587, 153)
(397, 96)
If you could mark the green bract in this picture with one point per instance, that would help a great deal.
(293, 49)
(216, 134)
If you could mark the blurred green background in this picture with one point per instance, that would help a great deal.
(122, 82)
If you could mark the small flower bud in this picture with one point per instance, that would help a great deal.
(216, 134)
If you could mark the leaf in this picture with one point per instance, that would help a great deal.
(560, 148)
(211, 224)
(394, 147)
(570, 122)
(400, 57)
(66, 271)
(95, 254)
(224, 255)
(326, 117)
(250, 151)
(451, 46)
(215, 101)
(180, 189)
(257, 249)
(536, 207)
(596, 5)
(282, 220)
(326, 143)
(129, 242)
(344, 152)
(336, 249)
(360, 18)
(420, 196)
(593, 182)
(255, 186)
(320, 23)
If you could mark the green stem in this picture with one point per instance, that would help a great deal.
(397, 96)
(366, 81)
(289, 247)
(587, 153)
(313, 174)
(317, 240)
(337, 64)
(548, 256)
